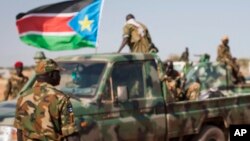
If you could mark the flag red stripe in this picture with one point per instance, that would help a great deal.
(44, 24)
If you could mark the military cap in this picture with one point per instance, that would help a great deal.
(39, 55)
(46, 65)
(18, 64)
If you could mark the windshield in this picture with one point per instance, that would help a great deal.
(80, 79)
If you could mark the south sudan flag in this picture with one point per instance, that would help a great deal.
(66, 25)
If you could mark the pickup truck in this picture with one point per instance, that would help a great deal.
(121, 97)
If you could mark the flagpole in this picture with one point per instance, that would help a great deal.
(99, 24)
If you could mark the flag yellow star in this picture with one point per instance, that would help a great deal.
(86, 23)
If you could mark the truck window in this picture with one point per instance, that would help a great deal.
(129, 74)
(81, 79)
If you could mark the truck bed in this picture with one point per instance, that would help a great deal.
(188, 117)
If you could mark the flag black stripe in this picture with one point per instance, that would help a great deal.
(61, 7)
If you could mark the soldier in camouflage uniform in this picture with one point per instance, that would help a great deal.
(224, 56)
(44, 113)
(136, 36)
(173, 80)
(185, 55)
(236, 73)
(39, 56)
(15, 82)
(193, 91)
(223, 52)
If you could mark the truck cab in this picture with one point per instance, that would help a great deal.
(122, 97)
(114, 97)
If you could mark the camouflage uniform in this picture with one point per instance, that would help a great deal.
(204, 58)
(224, 54)
(236, 73)
(185, 56)
(39, 55)
(173, 83)
(14, 85)
(44, 113)
(193, 91)
(137, 43)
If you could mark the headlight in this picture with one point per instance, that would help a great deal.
(8, 133)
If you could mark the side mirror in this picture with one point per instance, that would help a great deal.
(122, 93)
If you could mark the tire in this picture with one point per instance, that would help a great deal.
(210, 133)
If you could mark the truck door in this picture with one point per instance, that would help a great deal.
(141, 115)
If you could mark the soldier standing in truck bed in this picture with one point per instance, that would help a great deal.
(224, 56)
(223, 53)
(185, 55)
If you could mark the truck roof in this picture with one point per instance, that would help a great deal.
(107, 57)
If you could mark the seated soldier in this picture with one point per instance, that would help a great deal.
(236, 73)
(193, 91)
(173, 81)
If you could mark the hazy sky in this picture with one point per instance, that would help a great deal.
(173, 25)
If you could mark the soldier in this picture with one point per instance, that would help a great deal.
(39, 56)
(136, 36)
(173, 80)
(171, 72)
(224, 56)
(193, 91)
(185, 55)
(204, 58)
(44, 113)
(223, 52)
(236, 73)
(15, 82)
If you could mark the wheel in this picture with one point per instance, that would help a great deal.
(210, 133)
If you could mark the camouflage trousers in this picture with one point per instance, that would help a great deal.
(174, 90)
(193, 91)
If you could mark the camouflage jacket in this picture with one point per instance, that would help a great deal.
(44, 113)
(15, 84)
(184, 56)
(224, 54)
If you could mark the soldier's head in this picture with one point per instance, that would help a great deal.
(225, 39)
(47, 70)
(169, 66)
(39, 56)
(130, 16)
(19, 67)
(77, 74)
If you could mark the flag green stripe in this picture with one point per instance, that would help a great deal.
(56, 43)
